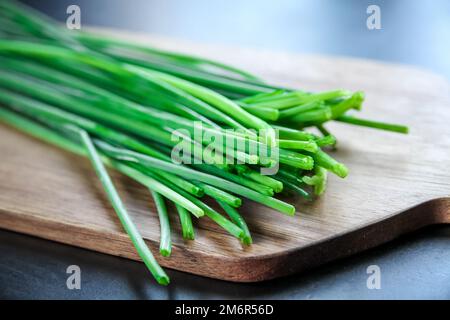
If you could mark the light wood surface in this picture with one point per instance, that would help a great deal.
(397, 183)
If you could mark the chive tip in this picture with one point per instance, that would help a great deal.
(341, 170)
(165, 252)
(164, 280)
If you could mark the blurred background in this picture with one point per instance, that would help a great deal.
(412, 31)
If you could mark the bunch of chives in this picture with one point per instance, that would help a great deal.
(118, 103)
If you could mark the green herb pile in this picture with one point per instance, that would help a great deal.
(118, 103)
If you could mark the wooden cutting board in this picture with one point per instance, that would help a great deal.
(397, 183)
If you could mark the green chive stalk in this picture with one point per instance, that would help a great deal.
(187, 227)
(165, 242)
(238, 220)
(139, 243)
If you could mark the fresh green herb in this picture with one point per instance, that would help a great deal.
(165, 244)
(122, 213)
(187, 227)
(129, 107)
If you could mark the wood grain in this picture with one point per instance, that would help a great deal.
(397, 183)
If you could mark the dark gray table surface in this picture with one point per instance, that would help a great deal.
(413, 32)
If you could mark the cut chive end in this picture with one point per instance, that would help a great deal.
(341, 170)
(165, 252)
(164, 280)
